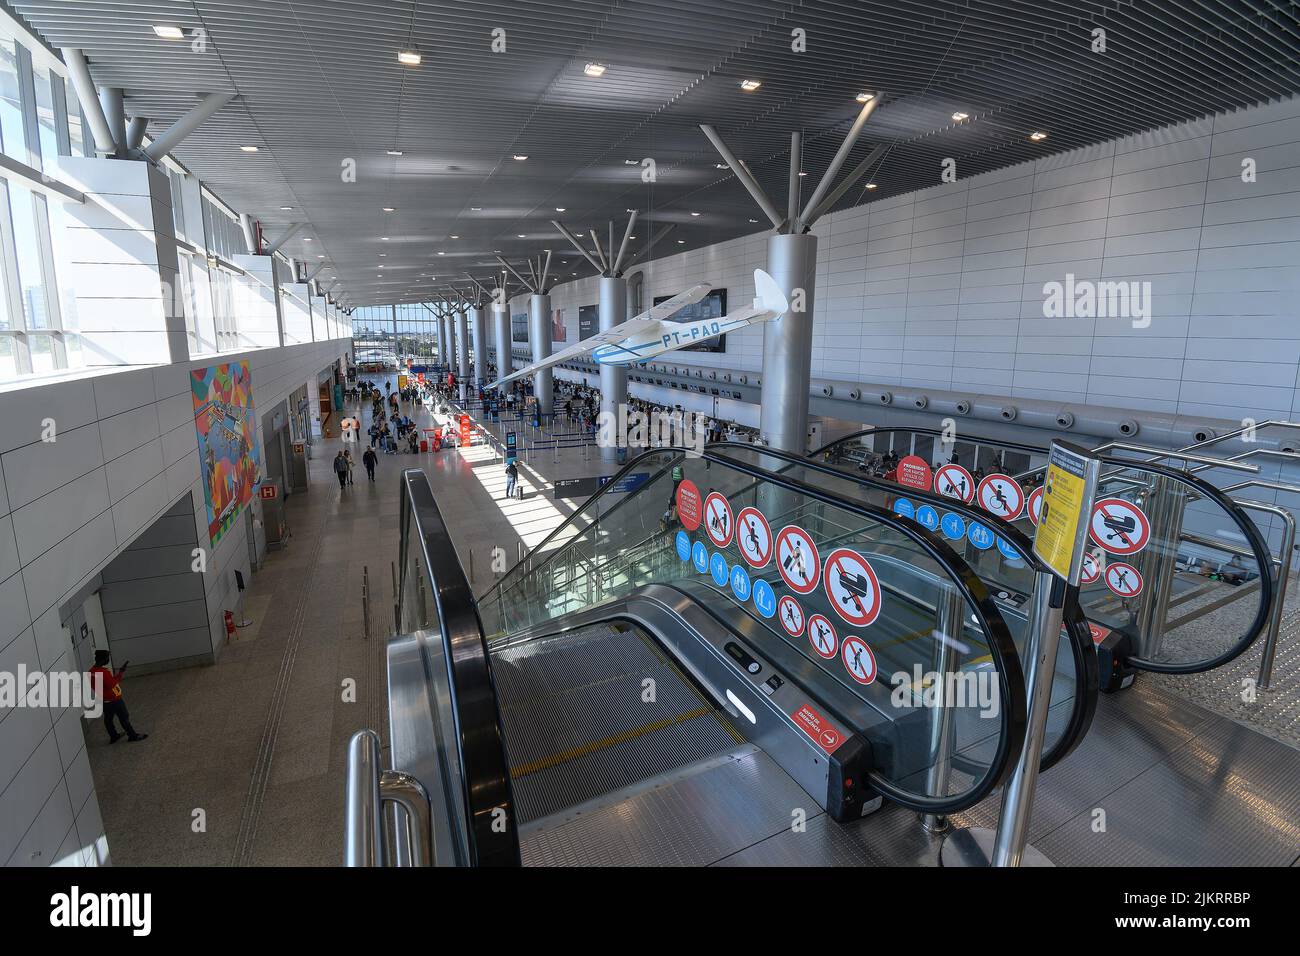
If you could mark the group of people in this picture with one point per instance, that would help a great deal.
(344, 463)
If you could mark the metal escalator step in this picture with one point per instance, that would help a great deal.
(578, 723)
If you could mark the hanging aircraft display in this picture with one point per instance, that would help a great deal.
(652, 332)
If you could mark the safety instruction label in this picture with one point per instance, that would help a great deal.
(859, 660)
(717, 519)
(822, 636)
(1123, 579)
(688, 505)
(852, 587)
(754, 537)
(1091, 568)
(914, 472)
(797, 559)
(1067, 492)
(791, 615)
(1119, 526)
(817, 727)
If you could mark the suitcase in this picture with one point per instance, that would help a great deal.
(424, 444)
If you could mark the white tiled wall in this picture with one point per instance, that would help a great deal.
(124, 453)
(944, 287)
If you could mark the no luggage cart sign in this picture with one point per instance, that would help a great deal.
(852, 587)
(1091, 570)
(1036, 505)
(821, 634)
(1123, 579)
(954, 481)
(754, 537)
(859, 660)
(1001, 495)
(791, 615)
(797, 559)
(1119, 526)
(717, 519)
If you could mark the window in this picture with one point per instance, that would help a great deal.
(45, 118)
(11, 110)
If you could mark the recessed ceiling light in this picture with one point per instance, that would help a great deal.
(629, 162)
(286, 208)
(442, 253)
(320, 256)
(681, 242)
(394, 152)
(749, 86)
(721, 166)
(753, 220)
(383, 238)
(871, 185)
(695, 214)
(381, 267)
(802, 173)
(519, 157)
(389, 209)
(249, 149)
(521, 236)
(455, 237)
(409, 57)
(168, 32)
(306, 238)
(383, 255)
(475, 208)
(559, 209)
(1037, 136)
(865, 97)
(594, 69)
(959, 116)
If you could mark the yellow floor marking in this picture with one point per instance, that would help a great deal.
(573, 753)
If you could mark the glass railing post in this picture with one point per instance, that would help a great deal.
(952, 613)
(1164, 503)
(1040, 651)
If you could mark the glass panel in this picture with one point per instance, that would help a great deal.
(45, 120)
(76, 136)
(8, 357)
(29, 257)
(43, 354)
(848, 589)
(11, 112)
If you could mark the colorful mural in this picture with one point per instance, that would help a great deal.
(232, 463)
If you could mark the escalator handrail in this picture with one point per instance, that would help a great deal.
(487, 794)
(1002, 650)
(1082, 649)
(1245, 524)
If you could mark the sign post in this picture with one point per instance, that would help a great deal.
(1061, 537)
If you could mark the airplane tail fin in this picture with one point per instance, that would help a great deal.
(769, 296)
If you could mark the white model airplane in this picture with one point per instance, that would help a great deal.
(652, 333)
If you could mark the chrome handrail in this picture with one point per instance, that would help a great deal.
(368, 789)
(1180, 454)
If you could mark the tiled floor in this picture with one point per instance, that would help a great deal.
(258, 741)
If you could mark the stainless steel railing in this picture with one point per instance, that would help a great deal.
(368, 789)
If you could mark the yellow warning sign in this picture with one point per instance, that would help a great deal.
(1068, 490)
(401, 382)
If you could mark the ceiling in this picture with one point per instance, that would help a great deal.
(319, 84)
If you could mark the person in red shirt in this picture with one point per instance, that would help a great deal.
(108, 685)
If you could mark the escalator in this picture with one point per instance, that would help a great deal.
(1177, 579)
(620, 697)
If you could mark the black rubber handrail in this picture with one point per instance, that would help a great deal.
(1002, 650)
(487, 795)
(1082, 649)
(1204, 489)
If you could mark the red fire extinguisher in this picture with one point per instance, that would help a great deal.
(230, 624)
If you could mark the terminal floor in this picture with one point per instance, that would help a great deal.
(258, 740)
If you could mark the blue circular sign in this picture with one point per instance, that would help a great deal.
(700, 556)
(980, 536)
(904, 507)
(718, 568)
(927, 517)
(1009, 551)
(953, 526)
(764, 598)
(740, 583)
(683, 545)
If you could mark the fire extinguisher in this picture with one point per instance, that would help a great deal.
(230, 624)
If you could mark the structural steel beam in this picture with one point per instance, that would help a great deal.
(838, 159)
(79, 73)
(858, 172)
(285, 237)
(616, 266)
(172, 136)
(743, 174)
(578, 245)
(792, 199)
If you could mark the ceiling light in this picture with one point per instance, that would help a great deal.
(389, 209)
(959, 116)
(306, 238)
(381, 266)
(1037, 136)
(249, 149)
(753, 220)
(681, 242)
(749, 86)
(383, 238)
(519, 157)
(455, 237)
(629, 162)
(522, 236)
(559, 209)
(721, 166)
(594, 69)
(320, 256)
(865, 97)
(409, 57)
(695, 214)
(871, 185)
(168, 32)
(383, 255)
(286, 208)
(475, 208)
(394, 152)
(442, 253)
(802, 173)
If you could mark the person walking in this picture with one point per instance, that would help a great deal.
(369, 459)
(348, 455)
(108, 688)
(512, 478)
(341, 469)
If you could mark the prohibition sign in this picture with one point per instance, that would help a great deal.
(821, 635)
(797, 559)
(718, 519)
(954, 481)
(852, 587)
(859, 660)
(1036, 505)
(1001, 495)
(1123, 579)
(1119, 526)
(1090, 570)
(754, 537)
(688, 505)
(791, 615)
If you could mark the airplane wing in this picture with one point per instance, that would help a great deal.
(589, 344)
